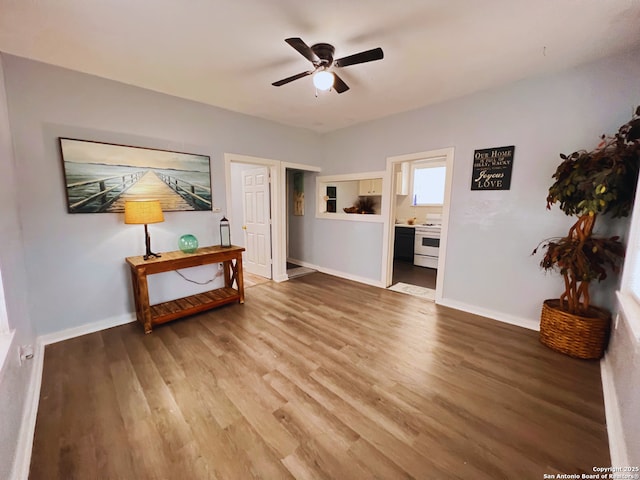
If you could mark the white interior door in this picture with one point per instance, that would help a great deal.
(257, 221)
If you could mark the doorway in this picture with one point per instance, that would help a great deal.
(252, 211)
(406, 272)
(277, 202)
(406, 206)
(300, 214)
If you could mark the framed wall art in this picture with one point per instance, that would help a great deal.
(332, 199)
(492, 168)
(100, 177)
(298, 193)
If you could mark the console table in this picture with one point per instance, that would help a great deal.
(150, 315)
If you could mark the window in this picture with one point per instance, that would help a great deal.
(629, 295)
(428, 181)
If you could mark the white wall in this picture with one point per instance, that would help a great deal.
(75, 262)
(75, 270)
(14, 378)
(405, 210)
(491, 234)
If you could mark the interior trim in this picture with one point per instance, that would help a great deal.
(6, 342)
(87, 328)
(337, 273)
(389, 211)
(22, 460)
(492, 314)
(617, 444)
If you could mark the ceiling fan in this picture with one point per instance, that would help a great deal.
(321, 56)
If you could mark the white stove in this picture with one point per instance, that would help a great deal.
(427, 245)
(434, 228)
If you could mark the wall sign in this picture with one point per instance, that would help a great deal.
(492, 168)
(298, 193)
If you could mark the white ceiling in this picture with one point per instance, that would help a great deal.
(227, 53)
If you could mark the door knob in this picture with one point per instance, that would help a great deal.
(244, 227)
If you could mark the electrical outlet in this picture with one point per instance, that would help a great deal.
(25, 352)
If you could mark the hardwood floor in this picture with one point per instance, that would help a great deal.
(317, 378)
(251, 280)
(407, 272)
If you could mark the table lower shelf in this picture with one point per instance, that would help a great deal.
(182, 307)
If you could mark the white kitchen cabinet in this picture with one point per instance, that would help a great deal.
(402, 179)
(370, 186)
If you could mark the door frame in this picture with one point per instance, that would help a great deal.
(284, 166)
(278, 202)
(389, 211)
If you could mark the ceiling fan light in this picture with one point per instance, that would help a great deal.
(323, 80)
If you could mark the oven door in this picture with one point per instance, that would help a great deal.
(426, 250)
(426, 245)
(425, 261)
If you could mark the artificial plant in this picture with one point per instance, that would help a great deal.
(588, 184)
(362, 205)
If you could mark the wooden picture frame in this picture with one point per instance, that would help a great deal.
(100, 176)
(298, 193)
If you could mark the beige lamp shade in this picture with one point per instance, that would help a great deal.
(143, 212)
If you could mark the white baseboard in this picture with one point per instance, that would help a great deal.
(337, 273)
(302, 263)
(348, 276)
(88, 328)
(281, 278)
(22, 462)
(617, 444)
(501, 317)
(465, 307)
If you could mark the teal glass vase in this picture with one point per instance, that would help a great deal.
(188, 243)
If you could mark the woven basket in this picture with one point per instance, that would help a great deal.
(580, 336)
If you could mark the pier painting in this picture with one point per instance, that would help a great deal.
(100, 177)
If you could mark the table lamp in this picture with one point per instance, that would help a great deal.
(140, 212)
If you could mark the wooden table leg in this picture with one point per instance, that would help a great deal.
(226, 268)
(136, 296)
(239, 277)
(143, 299)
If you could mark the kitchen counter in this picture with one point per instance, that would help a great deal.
(405, 225)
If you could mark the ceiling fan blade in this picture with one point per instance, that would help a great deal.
(362, 57)
(303, 49)
(339, 84)
(291, 78)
